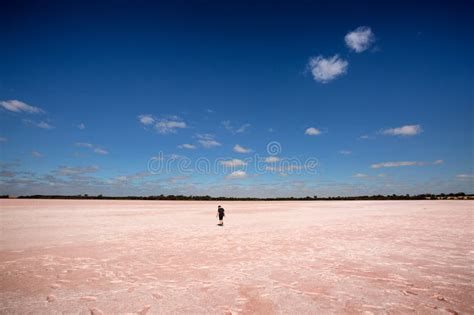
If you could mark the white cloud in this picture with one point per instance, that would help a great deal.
(44, 125)
(327, 69)
(101, 151)
(18, 107)
(233, 163)
(83, 144)
(360, 175)
(3, 139)
(146, 119)
(207, 140)
(240, 149)
(237, 175)
(345, 152)
(408, 130)
(360, 39)
(81, 126)
(272, 159)
(36, 154)
(465, 176)
(438, 162)
(187, 146)
(398, 164)
(312, 131)
(169, 125)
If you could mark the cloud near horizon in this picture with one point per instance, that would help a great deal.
(325, 70)
(236, 175)
(76, 170)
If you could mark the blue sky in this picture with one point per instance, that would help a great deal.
(362, 98)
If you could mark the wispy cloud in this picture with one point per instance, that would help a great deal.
(237, 175)
(405, 163)
(96, 149)
(360, 39)
(360, 175)
(101, 151)
(169, 125)
(3, 139)
(465, 176)
(165, 125)
(408, 130)
(187, 146)
(81, 126)
(285, 168)
(243, 128)
(233, 163)
(312, 131)
(230, 127)
(325, 70)
(175, 179)
(345, 152)
(397, 164)
(207, 140)
(83, 144)
(36, 154)
(20, 107)
(240, 149)
(365, 137)
(41, 124)
(44, 125)
(272, 159)
(76, 170)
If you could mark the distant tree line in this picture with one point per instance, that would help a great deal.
(459, 195)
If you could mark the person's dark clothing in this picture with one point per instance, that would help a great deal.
(221, 213)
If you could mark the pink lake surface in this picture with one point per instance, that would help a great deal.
(169, 257)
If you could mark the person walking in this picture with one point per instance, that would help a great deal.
(221, 215)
